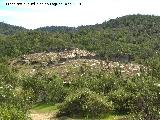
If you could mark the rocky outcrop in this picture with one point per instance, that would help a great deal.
(75, 58)
(54, 58)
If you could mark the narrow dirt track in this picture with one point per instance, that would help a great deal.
(41, 116)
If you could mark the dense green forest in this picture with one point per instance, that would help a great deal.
(129, 34)
(92, 93)
(7, 29)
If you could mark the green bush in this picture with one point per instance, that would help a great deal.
(138, 96)
(85, 103)
(145, 102)
(11, 112)
(35, 86)
(45, 89)
(121, 100)
(55, 90)
(7, 75)
(97, 81)
(13, 104)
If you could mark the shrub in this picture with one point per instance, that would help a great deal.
(85, 103)
(7, 76)
(13, 105)
(121, 100)
(56, 91)
(45, 89)
(99, 82)
(145, 104)
(11, 112)
(34, 85)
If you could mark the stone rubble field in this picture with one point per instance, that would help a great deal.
(64, 63)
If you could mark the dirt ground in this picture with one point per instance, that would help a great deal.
(41, 116)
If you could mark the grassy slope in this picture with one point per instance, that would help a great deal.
(42, 108)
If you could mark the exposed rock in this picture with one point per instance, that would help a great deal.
(77, 58)
(54, 58)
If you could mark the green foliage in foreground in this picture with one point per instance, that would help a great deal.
(85, 103)
(44, 89)
(10, 112)
(53, 108)
(90, 94)
(137, 95)
(13, 103)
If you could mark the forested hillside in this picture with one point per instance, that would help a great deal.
(103, 71)
(56, 29)
(136, 36)
(8, 29)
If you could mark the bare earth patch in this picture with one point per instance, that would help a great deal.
(41, 116)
